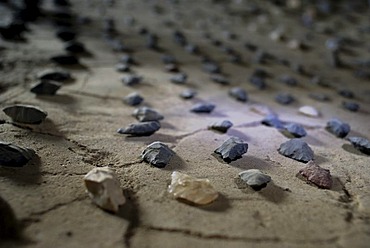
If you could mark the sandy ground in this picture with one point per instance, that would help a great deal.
(48, 195)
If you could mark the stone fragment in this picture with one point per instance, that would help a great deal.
(295, 44)
(255, 178)
(133, 99)
(144, 114)
(140, 129)
(104, 189)
(66, 34)
(351, 106)
(272, 120)
(179, 78)
(171, 68)
(203, 108)
(319, 97)
(46, 87)
(65, 59)
(179, 38)
(152, 41)
(131, 80)
(239, 94)
(296, 149)
(188, 93)
(75, 47)
(192, 48)
(14, 156)
(26, 114)
(277, 34)
(262, 109)
(309, 111)
(121, 67)
(288, 80)
(317, 175)
(295, 129)
(220, 79)
(157, 154)
(284, 98)
(193, 190)
(211, 67)
(221, 126)
(127, 59)
(168, 59)
(346, 93)
(258, 82)
(250, 47)
(338, 128)
(232, 149)
(361, 144)
(54, 74)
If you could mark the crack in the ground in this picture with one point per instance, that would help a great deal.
(34, 131)
(55, 207)
(201, 235)
(101, 97)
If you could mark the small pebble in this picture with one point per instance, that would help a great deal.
(26, 114)
(46, 87)
(192, 49)
(128, 59)
(192, 190)
(221, 126)
(211, 67)
(255, 178)
(152, 41)
(104, 189)
(144, 114)
(188, 93)
(59, 75)
(317, 175)
(220, 79)
(251, 47)
(121, 67)
(284, 98)
(351, 106)
(361, 144)
(239, 94)
(65, 59)
(179, 38)
(157, 154)
(259, 72)
(272, 120)
(288, 80)
(140, 129)
(203, 108)
(168, 59)
(319, 97)
(74, 47)
(258, 82)
(346, 93)
(179, 78)
(133, 99)
(296, 149)
(131, 80)
(14, 156)
(338, 128)
(295, 129)
(309, 111)
(66, 34)
(171, 68)
(232, 149)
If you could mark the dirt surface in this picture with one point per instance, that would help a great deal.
(48, 195)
